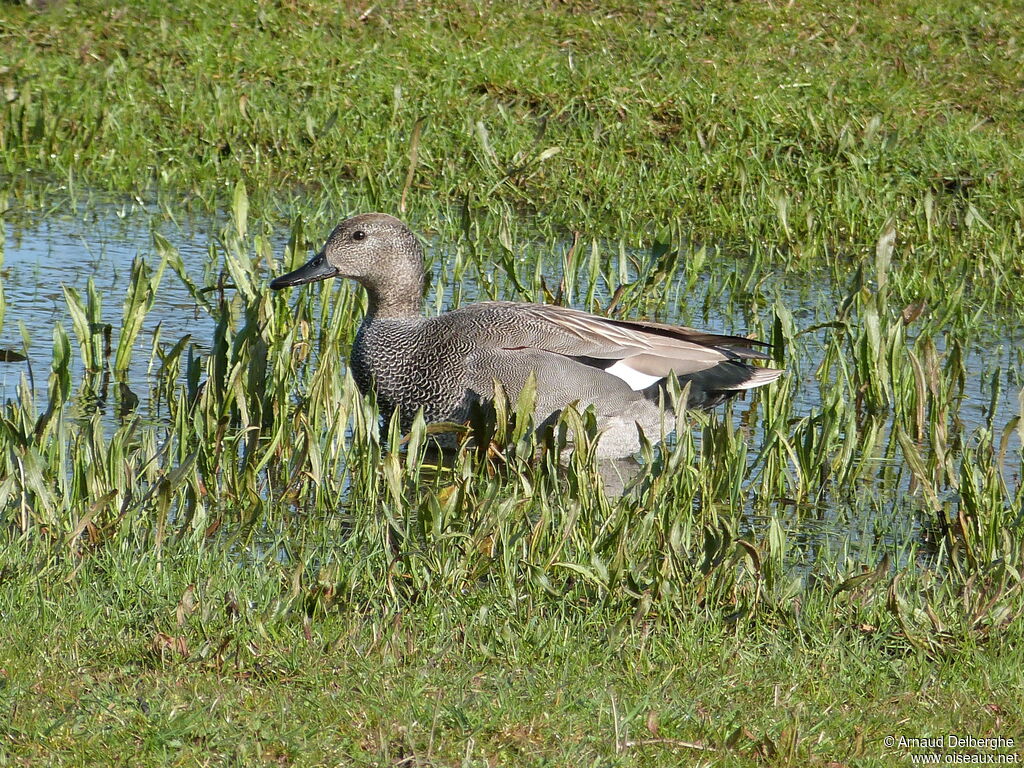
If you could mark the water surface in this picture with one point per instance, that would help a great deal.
(69, 249)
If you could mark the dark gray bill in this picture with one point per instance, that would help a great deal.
(317, 268)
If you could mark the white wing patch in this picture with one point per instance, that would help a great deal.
(634, 378)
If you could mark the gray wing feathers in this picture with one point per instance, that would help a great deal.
(653, 349)
(565, 381)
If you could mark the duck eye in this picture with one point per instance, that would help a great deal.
(358, 235)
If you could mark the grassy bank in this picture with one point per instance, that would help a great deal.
(804, 126)
(226, 562)
(223, 669)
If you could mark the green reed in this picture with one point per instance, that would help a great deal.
(263, 450)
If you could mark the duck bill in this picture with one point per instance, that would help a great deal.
(317, 268)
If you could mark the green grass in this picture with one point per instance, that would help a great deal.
(190, 662)
(235, 567)
(796, 132)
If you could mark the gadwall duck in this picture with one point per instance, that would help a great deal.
(445, 364)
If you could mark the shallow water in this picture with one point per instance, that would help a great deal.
(68, 249)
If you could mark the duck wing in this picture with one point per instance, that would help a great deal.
(641, 353)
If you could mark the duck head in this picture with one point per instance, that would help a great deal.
(374, 249)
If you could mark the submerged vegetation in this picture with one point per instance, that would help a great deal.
(221, 558)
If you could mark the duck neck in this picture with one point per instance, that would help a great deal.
(395, 302)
